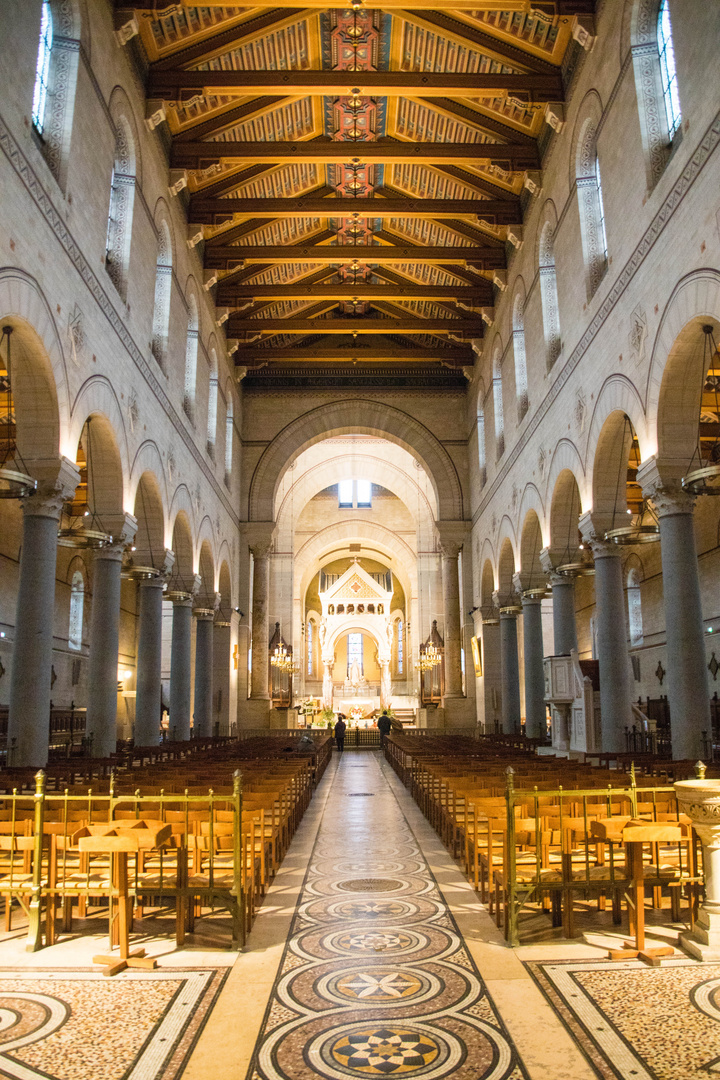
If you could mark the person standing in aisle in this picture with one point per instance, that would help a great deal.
(340, 733)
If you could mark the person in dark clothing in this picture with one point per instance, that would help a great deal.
(384, 725)
(340, 733)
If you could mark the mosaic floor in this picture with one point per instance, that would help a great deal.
(68, 1025)
(375, 978)
(636, 1022)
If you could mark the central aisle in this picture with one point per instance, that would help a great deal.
(375, 979)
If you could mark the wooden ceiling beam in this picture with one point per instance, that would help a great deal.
(207, 211)
(194, 155)
(549, 7)
(202, 128)
(480, 120)
(303, 290)
(173, 84)
(359, 353)
(485, 42)
(490, 258)
(225, 41)
(229, 236)
(360, 324)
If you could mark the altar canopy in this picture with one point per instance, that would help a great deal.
(358, 603)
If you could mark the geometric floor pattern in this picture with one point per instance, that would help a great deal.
(639, 1023)
(70, 1025)
(375, 979)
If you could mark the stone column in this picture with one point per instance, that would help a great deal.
(151, 583)
(510, 671)
(535, 727)
(260, 688)
(451, 535)
(202, 708)
(29, 719)
(101, 729)
(564, 627)
(180, 665)
(688, 693)
(611, 635)
(222, 637)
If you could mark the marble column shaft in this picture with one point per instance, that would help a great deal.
(451, 639)
(535, 727)
(260, 631)
(510, 673)
(180, 670)
(688, 693)
(611, 636)
(149, 662)
(564, 626)
(202, 709)
(29, 717)
(104, 645)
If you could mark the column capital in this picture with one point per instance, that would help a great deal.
(529, 586)
(259, 536)
(601, 548)
(664, 489)
(56, 483)
(546, 561)
(451, 536)
(123, 528)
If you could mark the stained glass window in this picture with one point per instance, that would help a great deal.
(668, 72)
(42, 71)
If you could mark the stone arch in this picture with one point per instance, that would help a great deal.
(212, 416)
(609, 474)
(182, 545)
(618, 393)
(119, 106)
(126, 173)
(506, 572)
(148, 459)
(70, 32)
(182, 502)
(311, 557)
(39, 376)
(487, 585)
(205, 535)
(164, 261)
(356, 416)
(206, 570)
(352, 624)
(676, 370)
(565, 456)
(225, 584)
(97, 398)
(507, 534)
(105, 477)
(532, 500)
(531, 544)
(150, 542)
(565, 511)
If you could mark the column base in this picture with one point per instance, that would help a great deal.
(459, 712)
(254, 713)
(704, 942)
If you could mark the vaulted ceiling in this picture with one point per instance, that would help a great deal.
(356, 176)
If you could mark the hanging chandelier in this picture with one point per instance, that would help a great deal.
(15, 481)
(704, 479)
(639, 520)
(80, 527)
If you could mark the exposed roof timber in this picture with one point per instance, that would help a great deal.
(173, 84)
(490, 258)
(484, 41)
(232, 181)
(548, 7)
(190, 155)
(359, 353)
(361, 324)
(226, 40)
(204, 210)
(246, 227)
(480, 183)
(479, 119)
(202, 127)
(240, 272)
(450, 223)
(304, 289)
(458, 318)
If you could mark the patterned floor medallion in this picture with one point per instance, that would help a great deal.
(379, 984)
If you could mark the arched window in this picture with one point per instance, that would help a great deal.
(481, 438)
(163, 289)
(120, 214)
(229, 432)
(634, 600)
(498, 407)
(191, 351)
(212, 405)
(548, 295)
(310, 648)
(668, 73)
(399, 647)
(42, 69)
(77, 605)
(590, 203)
(521, 387)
